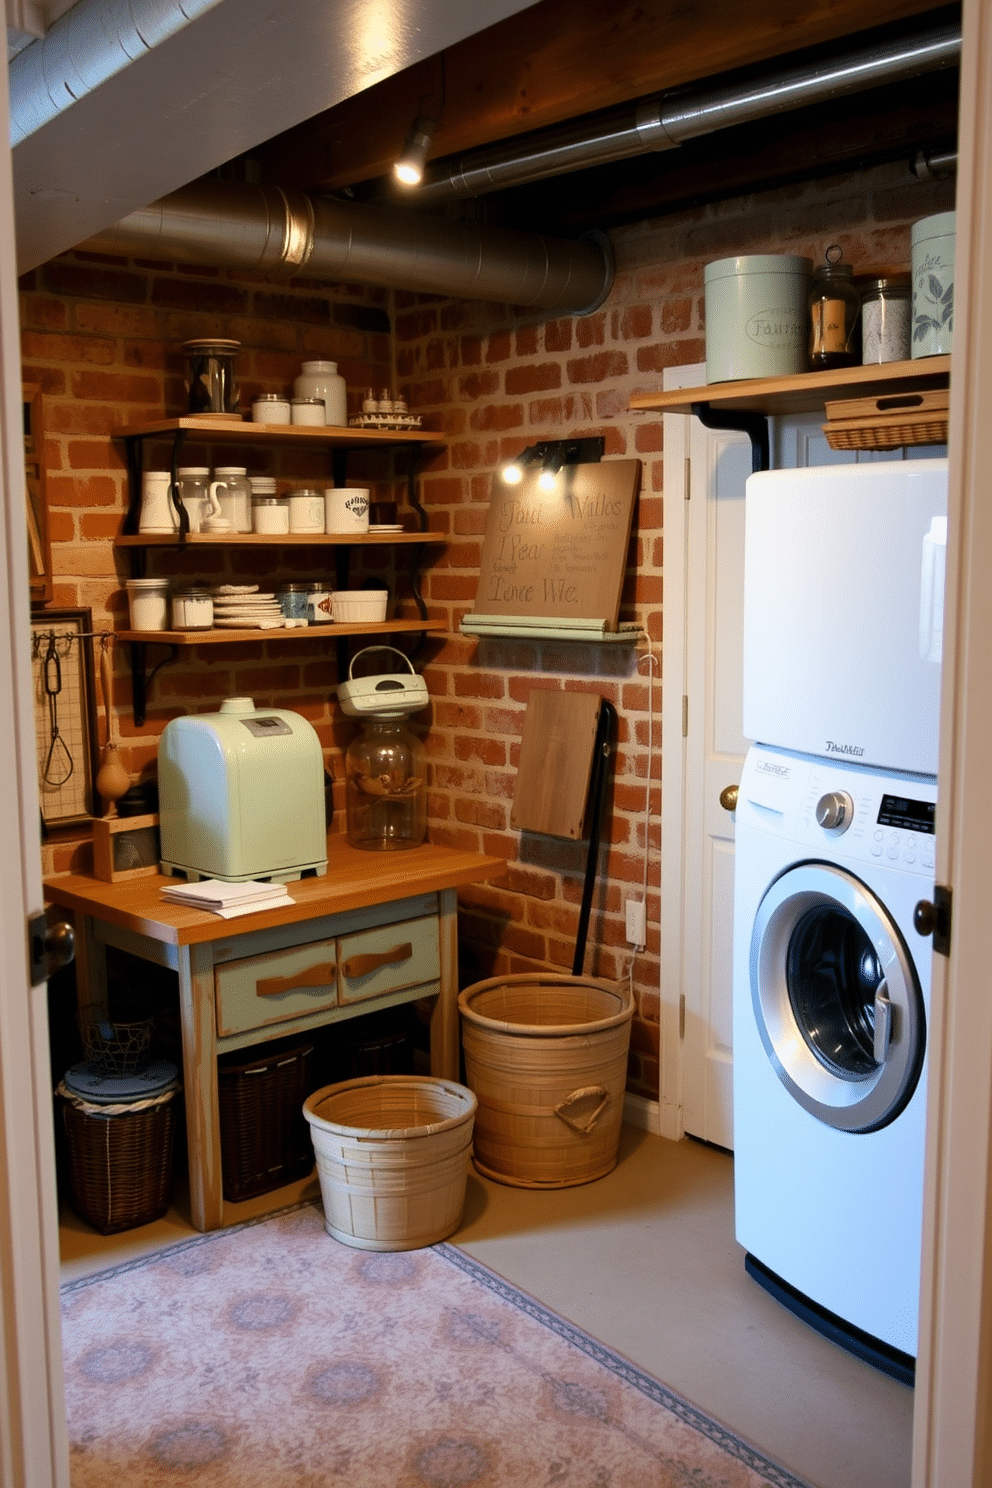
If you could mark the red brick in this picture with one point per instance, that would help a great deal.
(598, 368)
(533, 378)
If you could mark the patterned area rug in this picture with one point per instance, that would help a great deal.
(271, 1355)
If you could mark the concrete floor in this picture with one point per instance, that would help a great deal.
(645, 1260)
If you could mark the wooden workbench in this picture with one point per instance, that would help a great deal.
(377, 930)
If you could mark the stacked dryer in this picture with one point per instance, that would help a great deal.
(843, 606)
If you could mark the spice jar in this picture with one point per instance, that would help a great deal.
(294, 600)
(307, 411)
(834, 311)
(192, 608)
(269, 513)
(886, 316)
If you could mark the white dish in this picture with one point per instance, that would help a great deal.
(235, 589)
(388, 527)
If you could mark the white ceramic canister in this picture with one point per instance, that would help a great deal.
(158, 514)
(270, 408)
(346, 509)
(308, 411)
(306, 511)
(932, 241)
(192, 607)
(231, 489)
(194, 492)
(323, 380)
(756, 316)
(148, 603)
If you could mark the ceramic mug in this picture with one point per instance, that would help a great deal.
(346, 509)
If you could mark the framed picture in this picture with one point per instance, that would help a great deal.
(64, 715)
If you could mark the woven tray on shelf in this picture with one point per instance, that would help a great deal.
(887, 422)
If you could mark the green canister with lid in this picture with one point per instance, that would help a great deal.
(756, 316)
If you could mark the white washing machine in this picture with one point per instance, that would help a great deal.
(831, 1004)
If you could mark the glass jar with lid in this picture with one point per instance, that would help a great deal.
(194, 492)
(834, 313)
(886, 319)
(386, 796)
(294, 600)
(269, 513)
(192, 607)
(270, 408)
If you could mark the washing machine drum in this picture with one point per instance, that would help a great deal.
(836, 998)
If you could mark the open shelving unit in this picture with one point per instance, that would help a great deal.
(339, 443)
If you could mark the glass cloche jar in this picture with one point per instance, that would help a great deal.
(385, 764)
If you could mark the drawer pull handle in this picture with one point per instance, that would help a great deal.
(359, 966)
(312, 976)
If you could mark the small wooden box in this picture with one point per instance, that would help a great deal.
(125, 847)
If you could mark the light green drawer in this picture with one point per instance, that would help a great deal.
(374, 962)
(260, 990)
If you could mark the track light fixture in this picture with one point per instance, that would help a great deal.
(409, 167)
(552, 455)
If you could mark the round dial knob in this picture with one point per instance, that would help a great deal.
(834, 811)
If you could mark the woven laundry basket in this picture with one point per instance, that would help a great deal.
(392, 1157)
(547, 1058)
(119, 1137)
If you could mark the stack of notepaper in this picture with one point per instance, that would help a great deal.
(228, 899)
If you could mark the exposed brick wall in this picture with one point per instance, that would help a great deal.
(103, 339)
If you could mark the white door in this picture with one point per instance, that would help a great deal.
(705, 472)
(33, 1447)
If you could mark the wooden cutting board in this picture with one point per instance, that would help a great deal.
(556, 754)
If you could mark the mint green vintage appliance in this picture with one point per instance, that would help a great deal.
(241, 795)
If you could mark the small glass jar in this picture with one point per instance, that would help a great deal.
(386, 796)
(230, 489)
(148, 603)
(269, 513)
(294, 600)
(270, 408)
(834, 312)
(886, 320)
(319, 599)
(306, 510)
(192, 608)
(307, 411)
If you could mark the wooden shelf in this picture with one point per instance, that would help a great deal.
(234, 431)
(330, 632)
(282, 540)
(805, 393)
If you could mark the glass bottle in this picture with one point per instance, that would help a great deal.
(386, 786)
(886, 315)
(834, 311)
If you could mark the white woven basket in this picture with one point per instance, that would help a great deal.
(392, 1157)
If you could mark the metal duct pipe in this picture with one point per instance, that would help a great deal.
(282, 233)
(83, 48)
(666, 121)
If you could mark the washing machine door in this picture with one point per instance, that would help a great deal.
(836, 998)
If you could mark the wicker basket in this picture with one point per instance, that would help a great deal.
(547, 1057)
(116, 1049)
(264, 1139)
(392, 1155)
(888, 422)
(120, 1158)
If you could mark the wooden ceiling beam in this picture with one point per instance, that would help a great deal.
(556, 61)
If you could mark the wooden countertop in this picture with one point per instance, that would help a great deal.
(354, 879)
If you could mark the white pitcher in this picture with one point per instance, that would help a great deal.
(158, 514)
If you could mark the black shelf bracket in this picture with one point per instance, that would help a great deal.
(754, 425)
(141, 678)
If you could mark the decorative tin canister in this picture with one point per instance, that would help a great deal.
(933, 284)
(756, 316)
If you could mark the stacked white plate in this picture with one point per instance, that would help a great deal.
(245, 607)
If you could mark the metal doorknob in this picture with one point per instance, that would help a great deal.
(60, 946)
(728, 797)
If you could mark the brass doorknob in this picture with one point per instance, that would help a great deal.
(728, 797)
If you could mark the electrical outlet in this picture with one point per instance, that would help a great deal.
(636, 924)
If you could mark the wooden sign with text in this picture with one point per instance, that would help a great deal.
(559, 554)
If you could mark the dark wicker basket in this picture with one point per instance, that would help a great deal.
(117, 1049)
(264, 1136)
(120, 1162)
